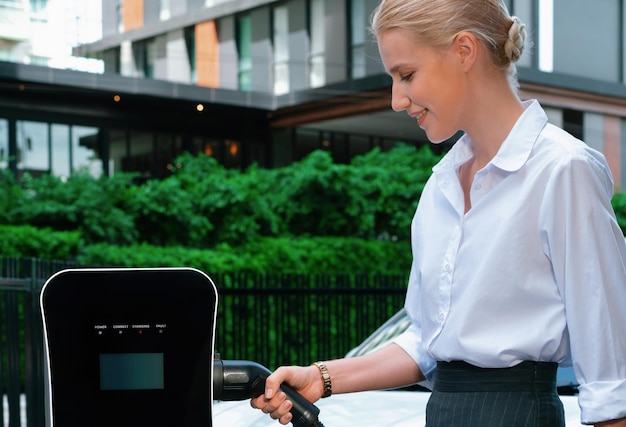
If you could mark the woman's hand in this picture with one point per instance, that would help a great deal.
(389, 367)
(305, 380)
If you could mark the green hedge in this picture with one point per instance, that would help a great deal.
(28, 241)
(269, 255)
(203, 204)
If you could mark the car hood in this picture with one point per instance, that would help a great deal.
(364, 409)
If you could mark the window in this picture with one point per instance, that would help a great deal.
(306, 141)
(281, 50)
(576, 52)
(4, 143)
(573, 122)
(32, 147)
(317, 76)
(84, 150)
(74, 149)
(43, 147)
(120, 21)
(144, 57)
(38, 5)
(150, 57)
(210, 3)
(139, 154)
(546, 35)
(244, 47)
(164, 10)
(358, 39)
(190, 44)
(61, 150)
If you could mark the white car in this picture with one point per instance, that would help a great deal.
(389, 408)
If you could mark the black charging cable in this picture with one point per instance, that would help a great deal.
(242, 379)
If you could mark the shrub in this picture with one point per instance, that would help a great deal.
(268, 255)
(29, 241)
(97, 208)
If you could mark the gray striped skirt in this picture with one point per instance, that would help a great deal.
(522, 396)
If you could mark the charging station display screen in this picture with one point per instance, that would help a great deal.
(131, 371)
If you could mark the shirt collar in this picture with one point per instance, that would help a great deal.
(515, 149)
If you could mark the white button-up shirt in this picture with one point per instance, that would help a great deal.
(535, 270)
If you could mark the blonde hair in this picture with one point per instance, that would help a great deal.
(437, 22)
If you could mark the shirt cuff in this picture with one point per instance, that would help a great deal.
(602, 401)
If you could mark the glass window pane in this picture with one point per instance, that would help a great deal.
(318, 44)
(281, 79)
(164, 12)
(140, 158)
(190, 44)
(119, 148)
(61, 150)
(4, 143)
(281, 50)
(358, 62)
(576, 52)
(317, 26)
(281, 34)
(38, 5)
(307, 141)
(84, 150)
(357, 19)
(244, 45)
(244, 36)
(359, 144)
(32, 146)
(318, 76)
(245, 80)
(358, 34)
(546, 35)
(150, 58)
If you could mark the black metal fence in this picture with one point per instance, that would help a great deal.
(272, 319)
(285, 318)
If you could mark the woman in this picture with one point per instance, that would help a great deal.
(518, 262)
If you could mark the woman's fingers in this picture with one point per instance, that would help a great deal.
(274, 401)
(278, 407)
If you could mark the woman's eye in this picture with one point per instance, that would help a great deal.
(406, 77)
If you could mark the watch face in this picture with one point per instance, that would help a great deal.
(130, 347)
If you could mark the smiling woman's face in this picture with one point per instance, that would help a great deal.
(427, 83)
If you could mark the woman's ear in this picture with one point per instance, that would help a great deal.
(466, 46)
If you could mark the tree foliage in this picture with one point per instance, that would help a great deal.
(203, 204)
(97, 208)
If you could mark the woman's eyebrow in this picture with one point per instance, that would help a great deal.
(396, 69)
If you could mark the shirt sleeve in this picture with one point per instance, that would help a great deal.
(411, 340)
(588, 254)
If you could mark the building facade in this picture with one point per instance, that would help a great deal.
(267, 82)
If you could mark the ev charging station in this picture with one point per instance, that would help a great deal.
(135, 347)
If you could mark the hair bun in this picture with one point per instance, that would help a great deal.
(514, 45)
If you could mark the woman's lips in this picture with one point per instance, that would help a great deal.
(421, 117)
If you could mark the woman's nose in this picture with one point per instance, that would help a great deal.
(399, 100)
